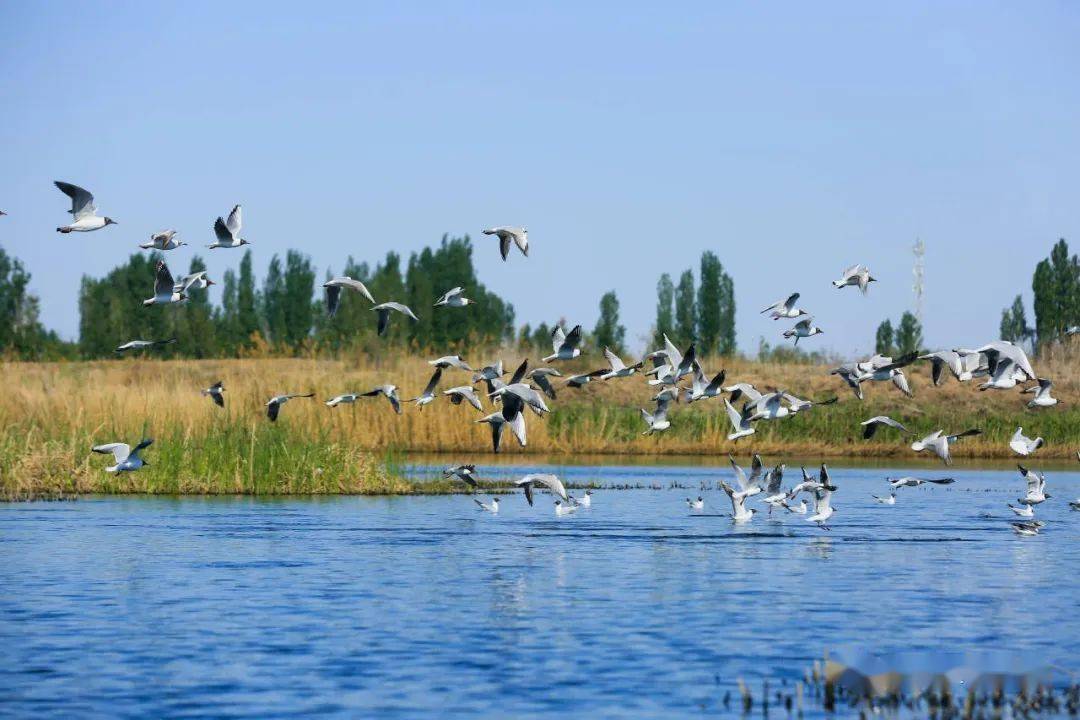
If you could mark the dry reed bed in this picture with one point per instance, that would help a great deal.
(51, 413)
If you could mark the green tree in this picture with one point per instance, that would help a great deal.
(665, 315)
(909, 337)
(21, 334)
(111, 309)
(299, 282)
(727, 345)
(608, 332)
(883, 339)
(1014, 327)
(685, 309)
(1056, 286)
(248, 322)
(272, 301)
(709, 295)
(196, 332)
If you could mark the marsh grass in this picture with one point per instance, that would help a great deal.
(52, 413)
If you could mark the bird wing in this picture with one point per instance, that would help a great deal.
(504, 244)
(221, 231)
(740, 476)
(517, 426)
(519, 374)
(233, 223)
(120, 451)
(614, 360)
(733, 415)
(358, 287)
(272, 410)
(433, 382)
(900, 381)
(545, 385)
(572, 339)
(558, 337)
(383, 319)
(333, 297)
(790, 302)
(82, 202)
(163, 282)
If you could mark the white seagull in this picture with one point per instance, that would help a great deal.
(909, 481)
(547, 480)
(565, 344)
(193, 281)
(384, 314)
(140, 344)
(451, 361)
(696, 505)
(334, 288)
(227, 232)
(82, 210)
(492, 507)
(466, 393)
(561, 509)
(939, 444)
(1023, 510)
(1022, 444)
(346, 399)
(164, 240)
(273, 405)
(889, 499)
(871, 426)
(740, 421)
(701, 390)
(1042, 394)
(464, 473)
(453, 298)
(823, 509)
(657, 420)
(855, 275)
(428, 395)
(1036, 486)
(506, 235)
(165, 291)
(785, 308)
(497, 422)
(216, 393)
(126, 459)
(803, 328)
(619, 369)
(586, 499)
(540, 377)
(391, 393)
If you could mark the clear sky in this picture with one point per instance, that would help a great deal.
(792, 139)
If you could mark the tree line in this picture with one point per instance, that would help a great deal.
(1056, 290)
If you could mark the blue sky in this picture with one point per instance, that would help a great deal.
(792, 139)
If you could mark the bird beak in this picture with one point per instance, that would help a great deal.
(210, 282)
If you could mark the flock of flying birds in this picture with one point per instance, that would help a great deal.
(1002, 364)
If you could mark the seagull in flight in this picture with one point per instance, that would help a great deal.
(796, 405)
(497, 421)
(464, 393)
(164, 288)
(855, 275)
(140, 344)
(345, 399)
(193, 281)
(334, 288)
(564, 344)
(898, 483)
(1023, 445)
(1023, 510)
(428, 395)
(803, 328)
(451, 361)
(823, 509)
(164, 240)
(619, 369)
(939, 444)
(216, 393)
(273, 406)
(1026, 529)
(492, 507)
(454, 298)
(506, 235)
(747, 487)
(127, 459)
(227, 232)
(1042, 394)
(785, 308)
(701, 390)
(657, 420)
(540, 377)
(384, 309)
(464, 473)
(1036, 486)
(580, 381)
(547, 480)
(391, 393)
(998, 350)
(82, 210)
(870, 427)
(740, 421)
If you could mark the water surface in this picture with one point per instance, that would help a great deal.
(350, 606)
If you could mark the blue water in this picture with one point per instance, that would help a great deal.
(156, 607)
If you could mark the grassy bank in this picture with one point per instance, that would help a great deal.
(52, 413)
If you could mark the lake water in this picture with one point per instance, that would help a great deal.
(163, 607)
